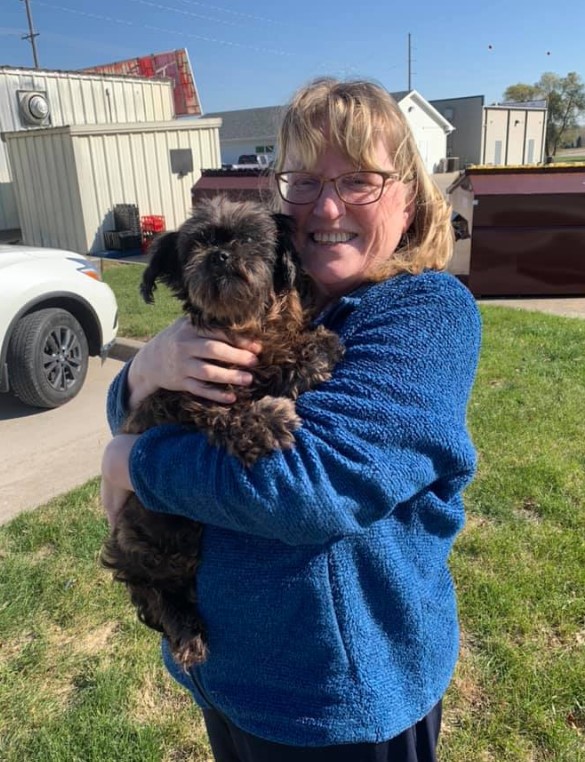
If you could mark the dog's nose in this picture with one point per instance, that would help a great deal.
(221, 255)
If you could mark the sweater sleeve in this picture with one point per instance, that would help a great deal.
(117, 401)
(390, 424)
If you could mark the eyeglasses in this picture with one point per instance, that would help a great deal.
(357, 188)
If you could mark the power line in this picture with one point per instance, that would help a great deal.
(160, 29)
(184, 13)
(232, 13)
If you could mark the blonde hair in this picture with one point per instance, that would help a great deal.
(352, 117)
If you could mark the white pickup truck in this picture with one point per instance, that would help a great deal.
(252, 161)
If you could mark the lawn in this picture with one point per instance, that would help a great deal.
(81, 681)
(569, 158)
(138, 320)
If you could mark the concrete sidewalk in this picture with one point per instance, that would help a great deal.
(44, 453)
(564, 306)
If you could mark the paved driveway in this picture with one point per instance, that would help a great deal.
(44, 453)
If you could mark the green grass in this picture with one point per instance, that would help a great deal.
(80, 679)
(570, 158)
(139, 320)
(520, 563)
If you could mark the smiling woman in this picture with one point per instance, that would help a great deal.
(324, 584)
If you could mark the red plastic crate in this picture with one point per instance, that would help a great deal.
(150, 226)
(153, 223)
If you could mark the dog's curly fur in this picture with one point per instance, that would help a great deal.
(234, 267)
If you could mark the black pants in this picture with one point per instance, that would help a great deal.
(230, 744)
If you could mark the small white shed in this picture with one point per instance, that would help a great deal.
(68, 179)
(429, 127)
(32, 99)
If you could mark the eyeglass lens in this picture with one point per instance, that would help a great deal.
(353, 188)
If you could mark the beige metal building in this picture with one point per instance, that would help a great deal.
(513, 134)
(68, 179)
(32, 99)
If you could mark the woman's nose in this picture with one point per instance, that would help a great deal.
(329, 204)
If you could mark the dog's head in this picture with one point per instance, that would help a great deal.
(227, 261)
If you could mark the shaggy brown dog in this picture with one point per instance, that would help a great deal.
(234, 267)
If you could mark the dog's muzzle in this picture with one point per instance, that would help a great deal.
(220, 256)
(225, 263)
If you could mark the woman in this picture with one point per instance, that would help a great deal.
(330, 609)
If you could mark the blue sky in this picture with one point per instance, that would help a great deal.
(248, 53)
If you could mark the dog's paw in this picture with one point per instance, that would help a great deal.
(264, 425)
(189, 650)
(328, 347)
(319, 354)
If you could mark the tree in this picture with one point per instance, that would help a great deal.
(521, 93)
(565, 97)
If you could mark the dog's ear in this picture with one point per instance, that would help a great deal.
(164, 266)
(286, 272)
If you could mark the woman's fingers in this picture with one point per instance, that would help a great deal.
(183, 358)
(211, 392)
(219, 350)
(210, 373)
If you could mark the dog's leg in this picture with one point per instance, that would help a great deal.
(183, 627)
(147, 601)
(248, 430)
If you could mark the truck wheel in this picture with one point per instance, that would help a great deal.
(47, 358)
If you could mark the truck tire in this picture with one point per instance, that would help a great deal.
(47, 358)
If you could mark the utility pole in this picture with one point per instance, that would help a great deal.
(31, 34)
(409, 65)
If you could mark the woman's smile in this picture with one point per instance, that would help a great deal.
(331, 237)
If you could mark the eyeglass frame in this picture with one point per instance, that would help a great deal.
(384, 175)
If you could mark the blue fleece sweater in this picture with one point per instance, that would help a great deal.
(324, 584)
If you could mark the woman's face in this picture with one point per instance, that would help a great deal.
(339, 243)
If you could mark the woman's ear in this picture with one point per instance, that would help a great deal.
(409, 212)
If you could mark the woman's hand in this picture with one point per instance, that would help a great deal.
(116, 485)
(113, 500)
(181, 359)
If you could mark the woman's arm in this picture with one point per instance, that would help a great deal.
(389, 425)
(178, 358)
(181, 359)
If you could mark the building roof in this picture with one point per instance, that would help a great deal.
(430, 110)
(540, 104)
(85, 74)
(249, 123)
(400, 95)
(257, 123)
